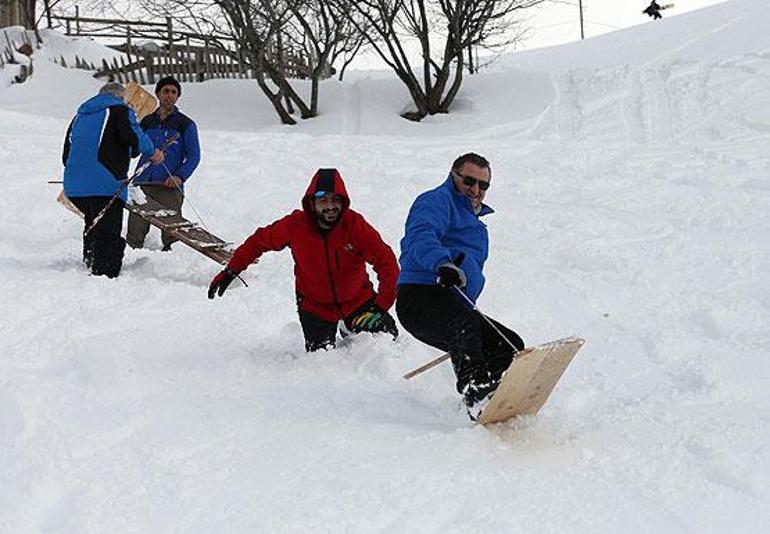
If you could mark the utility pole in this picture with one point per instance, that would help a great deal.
(580, 6)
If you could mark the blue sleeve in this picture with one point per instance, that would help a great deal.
(192, 152)
(426, 224)
(146, 146)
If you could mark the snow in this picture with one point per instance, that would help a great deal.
(630, 182)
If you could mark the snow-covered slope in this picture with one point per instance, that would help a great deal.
(630, 179)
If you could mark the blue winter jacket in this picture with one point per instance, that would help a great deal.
(441, 225)
(182, 157)
(100, 142)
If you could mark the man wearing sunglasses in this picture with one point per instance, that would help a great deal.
(443, 252)
(331, 245)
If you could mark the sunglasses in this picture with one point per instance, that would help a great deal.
(470, 181)
(322, 194)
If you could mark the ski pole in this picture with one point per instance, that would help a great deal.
(125, 183)
(429, 365)
(488, 320)
(179, 187)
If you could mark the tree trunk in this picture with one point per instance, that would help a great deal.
(419, 98)
(275, 100)
(314, 95)
(455, 88)
(471, 67)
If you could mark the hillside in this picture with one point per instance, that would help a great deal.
(632, 198)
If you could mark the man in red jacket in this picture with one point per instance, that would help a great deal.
(331, 245)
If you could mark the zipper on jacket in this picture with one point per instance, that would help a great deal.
(331, 276)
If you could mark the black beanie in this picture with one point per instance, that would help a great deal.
(325, 181)
(168, 80)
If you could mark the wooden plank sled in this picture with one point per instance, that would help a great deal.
(529, 380)
(187, 232)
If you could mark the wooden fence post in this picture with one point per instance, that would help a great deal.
(149, 63)
(128, 43)
(159, 67)
(170, 31)
(207, 60)
(140, 70)
(114, 69)
(242, 60)
(187, 60)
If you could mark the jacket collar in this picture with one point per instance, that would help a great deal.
(465, 201)
(173, 112)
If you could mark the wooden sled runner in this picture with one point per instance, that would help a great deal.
(529, 380)
(187, 232)
(170, 221)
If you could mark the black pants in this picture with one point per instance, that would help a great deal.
(320, 334)
(654, 13)
(103, 246)
(436, 316)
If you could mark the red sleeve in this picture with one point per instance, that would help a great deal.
(275, 236)
(380, 256)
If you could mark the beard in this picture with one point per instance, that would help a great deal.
(475, 202)
(328, 217)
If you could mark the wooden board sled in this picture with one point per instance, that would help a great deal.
(142, 102)
(172, 222)
(67, 203)
(189, 233)
(529, 380)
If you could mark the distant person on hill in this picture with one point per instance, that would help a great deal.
(653, 10)
(443, 252)
(165, 183)
(100, 141)
(331, 245)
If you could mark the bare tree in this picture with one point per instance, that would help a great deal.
(445, 31)
(280, 39)
(324, 35)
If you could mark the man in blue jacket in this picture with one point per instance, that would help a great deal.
(442, 255)
(165, 183)
(100, 141)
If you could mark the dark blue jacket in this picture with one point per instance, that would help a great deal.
(441, 225)
(100, 142)
(182, 157)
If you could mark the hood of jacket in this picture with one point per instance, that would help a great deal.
(100, 102)
(328, 181)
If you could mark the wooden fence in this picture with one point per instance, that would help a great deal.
(9, 47)
(187, 56)
(6, 55)
(187, 64)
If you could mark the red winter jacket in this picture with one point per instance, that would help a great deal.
(329, 268)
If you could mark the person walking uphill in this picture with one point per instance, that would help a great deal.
(165, 183)
(100, 141)
(331, 245)
(653, 10)
(443, 252)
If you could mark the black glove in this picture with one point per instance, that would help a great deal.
(221, 281)
(450, 275)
